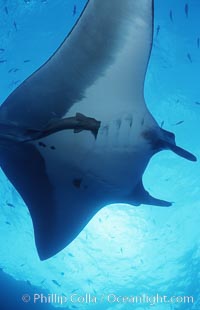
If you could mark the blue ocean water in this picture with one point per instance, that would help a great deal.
(125, 250)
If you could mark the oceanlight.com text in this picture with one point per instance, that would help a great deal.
(111, 298)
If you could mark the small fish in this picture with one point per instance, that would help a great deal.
(3, 61)
(198, 42)
(70, 254)
(171, 16)
(75, 290)
(158, 30)
(74, 10)
(56, 283)
(180, 122)
(197, 102)
(186, 10)
(6, 10)
(121, 250)
(15, 25)
(16, 82)
(90, 282)
(8, 223)
(62, 273)
(2, 50)
(26, 60)
(189, 57)
(28, 282)
(10, 205)
(162, 124)
(13, 70)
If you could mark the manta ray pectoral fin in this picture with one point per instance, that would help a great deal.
(141, 196)
(168, 142)
(25, 168)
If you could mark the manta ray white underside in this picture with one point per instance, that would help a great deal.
(99, 71)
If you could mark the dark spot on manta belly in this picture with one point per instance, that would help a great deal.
(149, 135)
(52, 148)
(41, 144)
(77, 183)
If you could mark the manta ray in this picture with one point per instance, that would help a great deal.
(77, 135)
